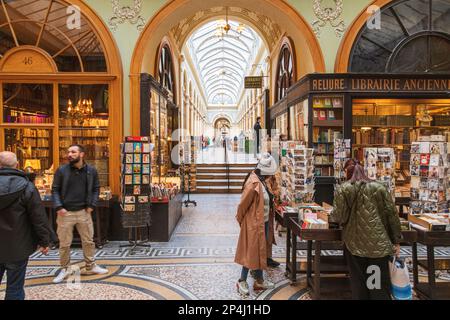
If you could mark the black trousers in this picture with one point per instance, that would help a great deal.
(369, 277)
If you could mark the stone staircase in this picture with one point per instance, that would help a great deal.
(212, 178)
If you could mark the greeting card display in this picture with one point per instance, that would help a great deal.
(342, 153)
(297, 172)
(430, 191)
(379, 164)
(135, 178)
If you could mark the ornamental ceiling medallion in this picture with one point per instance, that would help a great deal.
(127, 13)
(329, 15)
(270, 30)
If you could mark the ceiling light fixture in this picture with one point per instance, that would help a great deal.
(223, 26)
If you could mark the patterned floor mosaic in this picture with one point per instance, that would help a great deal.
(196, 264)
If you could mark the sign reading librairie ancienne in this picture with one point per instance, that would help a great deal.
(380, 84)
(253, 82)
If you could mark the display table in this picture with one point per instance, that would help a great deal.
(100, 217)
(165, 216)
(334, 266)
(431, 289)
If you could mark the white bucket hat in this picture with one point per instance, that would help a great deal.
(267, 165)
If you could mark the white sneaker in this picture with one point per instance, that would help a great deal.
(63, 274)
(242, 288)
(263, 286)
(98, 270)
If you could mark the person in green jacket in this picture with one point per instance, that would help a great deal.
(371, 232)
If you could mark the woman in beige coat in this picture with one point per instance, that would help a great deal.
(253, 218)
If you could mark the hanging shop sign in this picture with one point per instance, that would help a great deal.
(253, 82)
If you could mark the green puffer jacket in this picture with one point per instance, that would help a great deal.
(369, 219)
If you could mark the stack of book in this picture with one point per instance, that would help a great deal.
(297, 171)
(379, 164)
(429, 175)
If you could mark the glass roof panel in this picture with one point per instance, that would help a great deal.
(222, 59)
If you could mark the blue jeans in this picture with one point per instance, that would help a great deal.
(258, 273)
(16, 279)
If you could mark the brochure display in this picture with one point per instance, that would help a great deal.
(297, 170)
(342, 153)
(429, 175)
(379, 164)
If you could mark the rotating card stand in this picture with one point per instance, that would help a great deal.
(135, 241)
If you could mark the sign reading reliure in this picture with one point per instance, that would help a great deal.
(380, 84)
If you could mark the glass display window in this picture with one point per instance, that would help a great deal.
(397, 123)
(27, 103)
(282, 124)
(84, 120)
(298, 126)
(33, 147)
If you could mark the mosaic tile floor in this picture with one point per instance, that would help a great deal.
(196, 264)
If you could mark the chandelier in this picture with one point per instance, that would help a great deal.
(81, 111)
(223, 26)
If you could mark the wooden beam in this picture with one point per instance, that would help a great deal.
(44, 23)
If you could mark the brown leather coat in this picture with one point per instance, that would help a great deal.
(251, 249)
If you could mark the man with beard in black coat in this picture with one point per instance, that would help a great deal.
(23, 225)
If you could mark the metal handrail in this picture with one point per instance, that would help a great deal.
(227, 165)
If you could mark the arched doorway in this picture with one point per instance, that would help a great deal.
(59, 84)
(181, 12)
(222, 126)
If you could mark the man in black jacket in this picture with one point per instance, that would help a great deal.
(257, 127)
(75, 194)
(23, 225)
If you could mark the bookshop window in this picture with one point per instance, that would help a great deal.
(298, 115)
(27, 103)
(33, 148)
(414, 37)
(84, 120)
(397, 124)
(73, 49)
(282, 124)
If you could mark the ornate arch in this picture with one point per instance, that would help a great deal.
(413, 38)
(345, 48)
(111, 74)
(176, 10)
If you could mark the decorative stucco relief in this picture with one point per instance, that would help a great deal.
(329, 15)
(127, 13)
(269, 30)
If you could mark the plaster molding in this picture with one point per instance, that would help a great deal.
(329, 15)
(127, 13)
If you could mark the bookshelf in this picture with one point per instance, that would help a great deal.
(327, 126)
(93, 135)
(396, 124)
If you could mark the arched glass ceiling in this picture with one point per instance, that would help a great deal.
(223, 59)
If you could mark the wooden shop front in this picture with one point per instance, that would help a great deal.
(373, 110)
